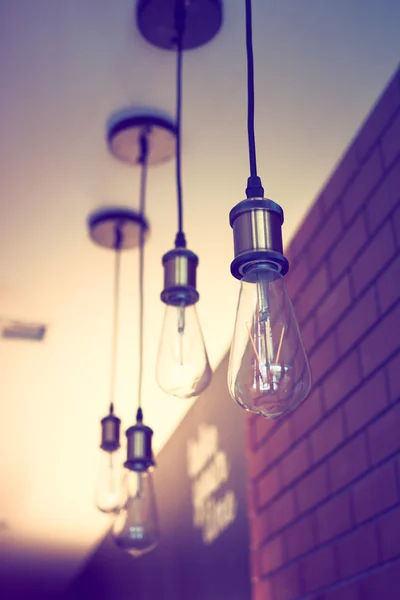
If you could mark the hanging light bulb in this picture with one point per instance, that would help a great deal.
(107, 228)
(135, 528)
(183, 369)
(268, 371)
(108, 486)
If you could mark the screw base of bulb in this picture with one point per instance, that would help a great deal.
(110, 433)
(257, 234)
(180, 265)
(139, 451)
(156, 22)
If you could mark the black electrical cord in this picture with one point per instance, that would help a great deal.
(254, 186)
(180, 18)
(144, 151)
(118, 244)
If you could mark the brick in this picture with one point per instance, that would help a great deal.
(391, 142)
(296, 278)
(328, 435)
(260, 529)
(323, 358)
(249, 432)
(375, 493)
(267, 487)
(396, 225)
(326, 235)
(271, 555)
(393, 376)
(307, 414)
(300, 537)
(252, 499)
(349, 462)
(277, 440)
(380, 250)
(384, 584)
(258, 461)
(351, 243)
(287, 584)
(343, 172)
(318, 569)
(379, 117)
(384, 199)
(313, 488)
(310, 295)
(389, 285)
(367, 402)
(389, 534)
(334, 517)
(262, 430)
(309, 335)
(383, 435)
(282, 511)
(307, 228)
(362, 186)
(343, 379)
(255, 569)
(381, 342)
(348, 591)
(358, 551)
(262, 590)
(295, 463)
(334, 304)
(357, 321)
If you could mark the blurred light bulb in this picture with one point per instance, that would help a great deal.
(269, 372)
(183, 369)
(135, 527)
(108, 496)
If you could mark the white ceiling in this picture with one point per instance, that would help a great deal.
(64, 68)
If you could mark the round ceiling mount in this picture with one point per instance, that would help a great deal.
(104, 224)
(156, 22)
(124, 138)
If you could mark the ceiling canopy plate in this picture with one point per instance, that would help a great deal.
(156, 22)
(124, 138)
(104, 223)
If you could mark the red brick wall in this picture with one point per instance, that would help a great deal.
(324, 483)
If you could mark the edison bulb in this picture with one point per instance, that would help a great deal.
(108, 495)
(268, 372)
(135, 527)
(183, 369)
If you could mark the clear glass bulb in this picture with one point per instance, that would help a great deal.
(135, 527)
(108, 496)
(183, 369)
(268, 372)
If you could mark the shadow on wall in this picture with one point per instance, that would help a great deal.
(324, 482)
(201, 490)
(33, 574)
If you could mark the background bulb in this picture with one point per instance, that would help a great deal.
(183, 369)
(108, 487)
(268, 372)
(135, 527)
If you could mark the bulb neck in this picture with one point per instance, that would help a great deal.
(110, 426)
(180, 266)
(139, 448)
(257, 236)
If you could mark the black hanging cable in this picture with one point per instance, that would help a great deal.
(144, 151)
(180, 18)
(118, 244)
(254, 186)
